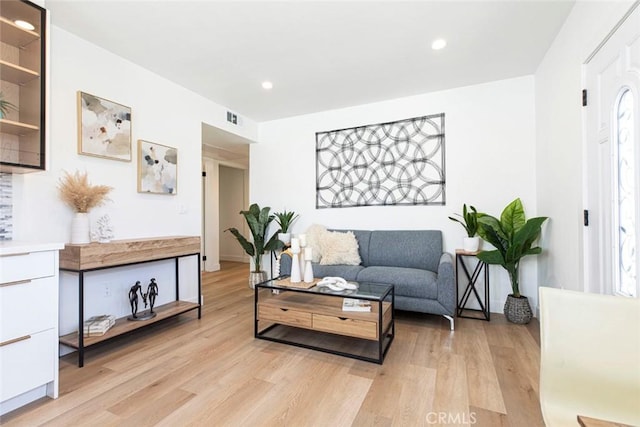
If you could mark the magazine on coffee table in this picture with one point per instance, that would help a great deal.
(352, 304)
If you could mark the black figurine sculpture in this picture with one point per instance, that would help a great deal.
(152, 293)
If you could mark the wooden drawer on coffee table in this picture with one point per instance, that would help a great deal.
(346, 326)
(284, 315)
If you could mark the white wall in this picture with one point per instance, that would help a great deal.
(559, 149)
(162, 112)
(490, 160)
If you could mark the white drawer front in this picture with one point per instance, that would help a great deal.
(27, 364)
(27, 308)
(27, 266)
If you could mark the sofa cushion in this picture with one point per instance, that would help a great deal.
(419, 249)
(339, 248)
(410, 282)
(347, 272)
(363, 237)
(314, 232)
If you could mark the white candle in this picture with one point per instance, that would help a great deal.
(308, 253)
(303, 239)
(295, 244)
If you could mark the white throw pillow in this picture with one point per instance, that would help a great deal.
(314, 234)
(339, 248)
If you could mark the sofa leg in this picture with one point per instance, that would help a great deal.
(450, 321)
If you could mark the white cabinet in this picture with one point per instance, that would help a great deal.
(28, 322)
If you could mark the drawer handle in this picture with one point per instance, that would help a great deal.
(19, 254)
(18, 282)
(343, 318)
(15, 340)
(284, 309)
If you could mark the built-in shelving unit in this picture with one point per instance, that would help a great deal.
(22, 83)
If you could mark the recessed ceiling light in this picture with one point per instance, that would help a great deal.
(267, 85)
(438, 44)
(24, 24)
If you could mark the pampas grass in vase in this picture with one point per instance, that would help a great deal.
(77, 192)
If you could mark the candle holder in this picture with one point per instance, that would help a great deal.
(308, 272)
(295, 265)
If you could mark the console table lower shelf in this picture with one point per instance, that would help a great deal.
(124, 326)
(319, 323)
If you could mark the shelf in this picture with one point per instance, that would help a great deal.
(16, 128)
(121, 252)
(123, 325)
(16, 74)
(14, 35)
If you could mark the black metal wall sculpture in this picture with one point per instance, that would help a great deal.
(395, 163)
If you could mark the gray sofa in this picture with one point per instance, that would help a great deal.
(411, 260)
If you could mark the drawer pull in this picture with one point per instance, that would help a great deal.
(284, 309)
(343, 318)
(19, 254)
(18, 282)
(15, 340)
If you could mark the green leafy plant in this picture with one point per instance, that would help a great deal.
(513, 237)
(5, 106)
(284, 220)
(258, 221)
(468, 219)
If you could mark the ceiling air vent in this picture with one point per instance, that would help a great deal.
(234, 118)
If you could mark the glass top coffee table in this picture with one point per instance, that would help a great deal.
(314, 318)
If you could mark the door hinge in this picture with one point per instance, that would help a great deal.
(204, 257)
(204, 174)
(585, 217)
(584, 97)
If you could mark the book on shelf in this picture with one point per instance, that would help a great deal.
(98, 325)
(351, 304)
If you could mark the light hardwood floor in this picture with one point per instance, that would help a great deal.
(212, 372)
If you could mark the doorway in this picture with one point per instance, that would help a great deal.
(225, 163)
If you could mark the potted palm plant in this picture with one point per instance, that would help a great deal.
(5, 106)
(258, 221)
(284, 220)
(513, 237)
(469, 220)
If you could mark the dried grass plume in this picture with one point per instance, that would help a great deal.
(77, 192)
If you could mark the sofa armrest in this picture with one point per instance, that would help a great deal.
(447, 284)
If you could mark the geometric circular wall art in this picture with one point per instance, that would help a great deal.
(395, 163)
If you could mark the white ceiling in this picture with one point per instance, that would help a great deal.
(319, 55)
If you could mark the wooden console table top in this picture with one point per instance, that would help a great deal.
(120, 252)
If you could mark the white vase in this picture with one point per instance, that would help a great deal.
(80, 229)
(471, 244)
(256, 277)
(284, 238)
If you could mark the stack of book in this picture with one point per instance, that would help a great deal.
(98, 325)
(351, 304)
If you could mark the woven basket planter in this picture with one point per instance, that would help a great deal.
(517, 310)
(257, 277)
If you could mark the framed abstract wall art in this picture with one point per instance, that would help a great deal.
(394, 163)
(157, 168)
(104, 128)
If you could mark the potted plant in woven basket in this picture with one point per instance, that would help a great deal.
(258, 221)
(513, 237)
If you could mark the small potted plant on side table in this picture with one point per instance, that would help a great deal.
(513, 237)
(469, 220)
(284, 220)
